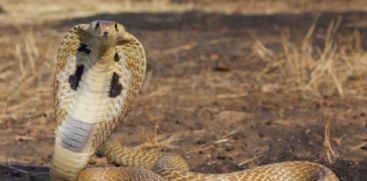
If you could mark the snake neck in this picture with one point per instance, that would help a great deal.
(99, 49)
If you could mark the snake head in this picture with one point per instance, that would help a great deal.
(108, 33)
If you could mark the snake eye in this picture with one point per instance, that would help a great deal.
(97, 26)
(116, 27)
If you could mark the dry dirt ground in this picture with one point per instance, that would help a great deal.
(219, 88)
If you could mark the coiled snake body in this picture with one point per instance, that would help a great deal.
(99, 71)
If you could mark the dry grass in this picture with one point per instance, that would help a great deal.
(24, 79)
(337, 65)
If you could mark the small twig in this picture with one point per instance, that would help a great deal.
(202, 148)
(330, 153)
(231, 96)
(156, 127)
(24, 138)
(147, 81)
(22, 171)
(19, 55)
(359, 146)
(185, 47)
(220, 141)
(10, 167)
(245, 162)
(29, 49)
(231, 133)
(157, 93)
(159, 141)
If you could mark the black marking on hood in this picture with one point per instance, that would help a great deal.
(75, 78)
(116, 86)
(84, 48)
(116, 58)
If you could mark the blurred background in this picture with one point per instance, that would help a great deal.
(231, 84)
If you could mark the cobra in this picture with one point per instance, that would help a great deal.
(99, 71)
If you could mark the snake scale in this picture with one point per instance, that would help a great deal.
(99, 70)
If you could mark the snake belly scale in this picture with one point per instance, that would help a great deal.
(99, 70)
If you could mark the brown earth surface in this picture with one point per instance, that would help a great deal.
(206, 95)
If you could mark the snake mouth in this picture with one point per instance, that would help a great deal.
(106, 35)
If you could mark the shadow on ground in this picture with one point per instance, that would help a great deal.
(215, 21)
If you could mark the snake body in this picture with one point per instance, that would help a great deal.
(99, 71)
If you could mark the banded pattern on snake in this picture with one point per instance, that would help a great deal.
(100, 69)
